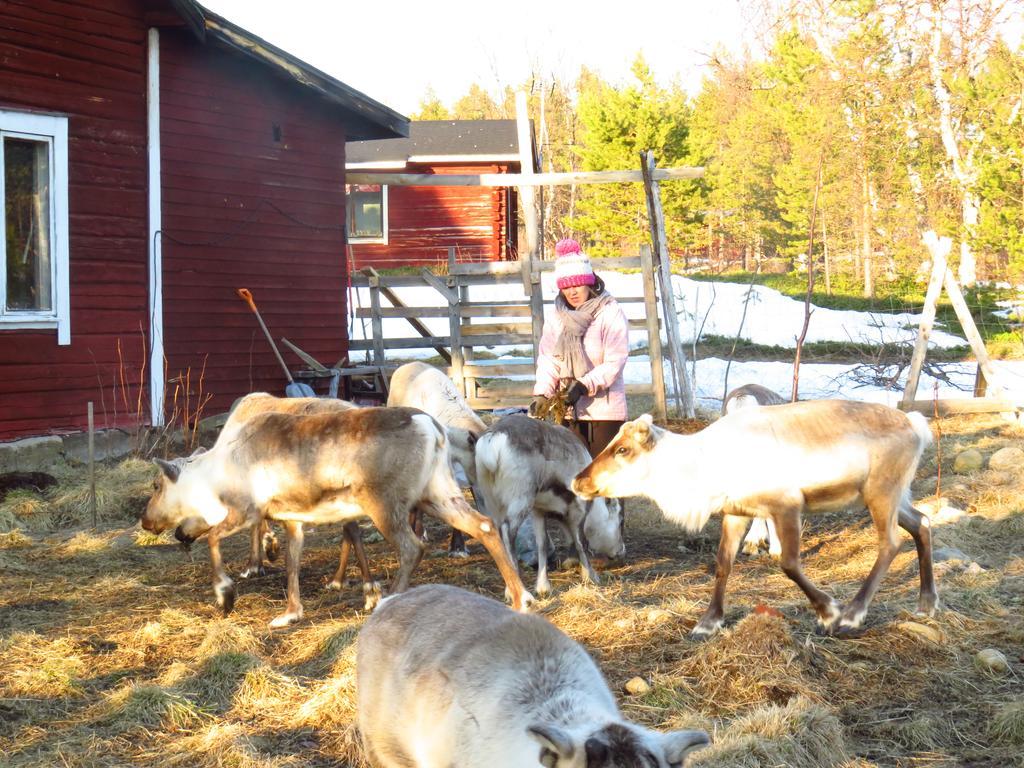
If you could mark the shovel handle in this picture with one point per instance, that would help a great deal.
(246, 296)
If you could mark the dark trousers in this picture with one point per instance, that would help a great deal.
(595, 434)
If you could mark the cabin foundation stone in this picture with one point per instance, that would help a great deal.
(30, 453)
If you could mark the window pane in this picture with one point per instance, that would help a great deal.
(366, 210)
(27, 209)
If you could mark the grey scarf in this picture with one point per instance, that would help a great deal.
(568, 354)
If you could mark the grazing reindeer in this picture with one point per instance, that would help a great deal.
(778, 463)
(445, 677)
(325, 468)
(263, 538)
(525, 466)
(418, 385)
(762, 532)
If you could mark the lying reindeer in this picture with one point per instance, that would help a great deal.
(445, 677)
(325, 468)
(778, 463)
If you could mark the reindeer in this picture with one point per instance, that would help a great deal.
(325, 468)
(263, 541)
(762, 532)
(418, 385)
(778, 463)
(445, 677)
(524, 466)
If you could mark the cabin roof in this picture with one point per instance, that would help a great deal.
(368, 118)
(440, 141)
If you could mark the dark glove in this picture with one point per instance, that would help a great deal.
(539, 401)
(575, 391)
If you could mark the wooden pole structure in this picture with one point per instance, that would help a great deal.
(92, 463)
(677, 357)
(653, 333)
(942, 276)
(523, 179)
(939, 251)
(455, 330)
(527, 192)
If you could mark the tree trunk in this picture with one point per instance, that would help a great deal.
(865, 231)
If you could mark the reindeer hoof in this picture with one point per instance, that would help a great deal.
(705, 628)
(334, 585)
(225, 593)
(271, 547)
(526, 603)
(543, 588)
(372, 594)
(286, 619)
(928, 606)
(458, 552)
(252, 570)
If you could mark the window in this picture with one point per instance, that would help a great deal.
(367, 213)
(34, 223)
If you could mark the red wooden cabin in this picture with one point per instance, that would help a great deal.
(156, 157)
(400, 226)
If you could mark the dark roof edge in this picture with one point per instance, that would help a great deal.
(205, 25)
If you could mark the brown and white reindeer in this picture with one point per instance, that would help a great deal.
(762, 532)
(778, 463)
(525, 467)
(263, 540)
(445, 677)
(418, 385)
(325, 468)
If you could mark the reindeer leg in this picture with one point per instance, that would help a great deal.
(371, 588)
(579, 540)
(787, 527)
(540, 538)
(885, 513)
(755, 537)
(458, 514)
(457, 544)
(346, 548)
(919, 527)
(255, 565)
(223, 586)
(293, 612)
(733, 528)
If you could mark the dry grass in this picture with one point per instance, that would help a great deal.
(113, 653)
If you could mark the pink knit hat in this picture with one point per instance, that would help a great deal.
(572, 267)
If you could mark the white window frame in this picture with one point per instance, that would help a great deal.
(54, 131)
(383, 239)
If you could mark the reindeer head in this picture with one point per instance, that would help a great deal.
(616, 745)
(621, 469)
(178, 493)
(603, 528)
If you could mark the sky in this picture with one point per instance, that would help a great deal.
(395, 50)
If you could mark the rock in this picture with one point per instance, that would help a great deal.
(931, 634)
(949, 553)
(1008, 459)
(998, 477)
(970, 460)
(657, 616)
(974, 569)
(637, 686)
(623, 623)
(992, 661)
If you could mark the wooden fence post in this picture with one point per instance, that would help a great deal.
(455, 331)
(938, 251)
(653, 333)
(677, 357)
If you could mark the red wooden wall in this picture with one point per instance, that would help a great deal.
(87, 61)
(247, 205)
(423, 222)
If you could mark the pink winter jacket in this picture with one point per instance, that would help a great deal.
(606, 347)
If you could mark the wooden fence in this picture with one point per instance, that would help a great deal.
(475, 325)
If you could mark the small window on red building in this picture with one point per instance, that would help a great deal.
(367, 213)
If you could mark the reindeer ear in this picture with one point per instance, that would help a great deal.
(199, 451)
(676, 745)
(169, 468)
(555, 744)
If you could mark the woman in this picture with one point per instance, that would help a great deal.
(583, 349)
